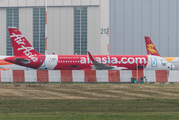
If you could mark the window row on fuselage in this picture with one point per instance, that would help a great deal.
(63, 61)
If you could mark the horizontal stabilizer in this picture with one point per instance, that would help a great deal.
(24, 61)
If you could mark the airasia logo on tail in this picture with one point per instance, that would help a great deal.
(26, 50)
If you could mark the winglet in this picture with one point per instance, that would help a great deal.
(101, 66)
(91, 57)
(150, 47)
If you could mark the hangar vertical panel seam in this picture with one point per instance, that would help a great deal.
(39, 30)
(168, 26)
(66, 30)
(59, 31)
(150, 16)
(123, 28)
(113, 22)
(141, 28)
(52, 29)
(100, 51)
(94, 30)
(176, 27)
(109, 27)
(112, 48)
(159, 26)
(114, 26)
(132, 26)
(26, 20)
(72, 50)
(80, 30)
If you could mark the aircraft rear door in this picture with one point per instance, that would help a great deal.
(42, 61)
(154, 62)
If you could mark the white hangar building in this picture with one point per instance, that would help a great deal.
(74, 26)
(78, 26)
(131, 20)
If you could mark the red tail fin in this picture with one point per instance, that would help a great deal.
(20, 44)
(151, 50)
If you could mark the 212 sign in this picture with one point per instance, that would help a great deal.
(104, 30)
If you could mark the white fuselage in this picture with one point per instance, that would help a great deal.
(158, 63)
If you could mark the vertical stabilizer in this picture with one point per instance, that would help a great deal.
(151, 50)
(20, 44)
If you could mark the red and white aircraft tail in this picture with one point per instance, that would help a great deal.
(20, 44)
(25, 54)
(151, 50)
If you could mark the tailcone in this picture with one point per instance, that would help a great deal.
(9, 59)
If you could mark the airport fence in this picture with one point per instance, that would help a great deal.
(87, 76)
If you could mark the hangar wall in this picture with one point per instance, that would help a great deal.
(93, 30)
(3, 31)
(131, 20)
(60, 20)
(26, 23)
(60, 30)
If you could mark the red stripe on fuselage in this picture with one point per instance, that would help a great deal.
(82, 62)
